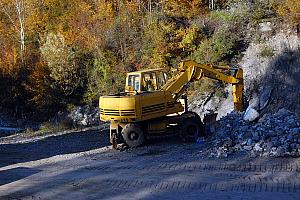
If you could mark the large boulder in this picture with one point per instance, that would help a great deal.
(257, 104)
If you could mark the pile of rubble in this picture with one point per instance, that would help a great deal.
(273, 135)
(85, 116)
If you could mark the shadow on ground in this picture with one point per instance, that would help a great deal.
(15, 174)
(52, 146)
(112, 179)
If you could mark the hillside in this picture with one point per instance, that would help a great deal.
(58, 54)
(271, 74)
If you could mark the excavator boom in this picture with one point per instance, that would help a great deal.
(190, 71)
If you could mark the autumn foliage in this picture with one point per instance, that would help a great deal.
(58, 52)
(290, 11)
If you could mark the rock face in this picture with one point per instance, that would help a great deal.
(256, 65)
(211, 104)
(271, 75)
(274, 135)
(272, 69)
(85, 116)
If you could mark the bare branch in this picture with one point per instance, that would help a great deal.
(5, 11)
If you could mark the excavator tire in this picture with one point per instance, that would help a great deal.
(191, 128)
(133, 135)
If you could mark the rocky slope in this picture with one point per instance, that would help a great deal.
(274, 64)
(271, 65)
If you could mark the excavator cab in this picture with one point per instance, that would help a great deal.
(149, 80)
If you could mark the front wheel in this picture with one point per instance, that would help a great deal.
(133, 135)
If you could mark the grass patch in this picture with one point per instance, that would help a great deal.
(50, 127)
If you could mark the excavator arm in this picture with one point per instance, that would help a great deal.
(190, 71)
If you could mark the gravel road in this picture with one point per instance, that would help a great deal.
(81, 165)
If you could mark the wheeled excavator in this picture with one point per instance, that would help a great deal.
(153, 105)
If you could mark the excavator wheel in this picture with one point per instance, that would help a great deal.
(133, 135)
(191, 128)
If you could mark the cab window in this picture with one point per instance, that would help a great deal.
(149, 82)
(161, 79)
(134, 82)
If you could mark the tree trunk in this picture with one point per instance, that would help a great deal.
(19, 26)
(20, 13)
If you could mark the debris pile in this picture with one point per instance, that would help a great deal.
(273, 135)
(85, 116)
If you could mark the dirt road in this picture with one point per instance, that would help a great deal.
(81, 166)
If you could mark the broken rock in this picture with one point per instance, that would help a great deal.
(251, 114)
(257, 147)
(248, 148)
(265, 98)
(276, 135)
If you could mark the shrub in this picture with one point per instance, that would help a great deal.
(191, 39)
(61, 62)
(267, 52)
(223, 15)
(47, 127)
(62, 125)
(216, 48)
(209, 86)
(289, 10)
(104, 78)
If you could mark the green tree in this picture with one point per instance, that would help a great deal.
(62, 64)
(215, 49)
(104, 78)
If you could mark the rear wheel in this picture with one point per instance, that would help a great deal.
(133, 135)
(191, 128)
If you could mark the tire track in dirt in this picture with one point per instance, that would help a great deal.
(203, 187)
(273, 168)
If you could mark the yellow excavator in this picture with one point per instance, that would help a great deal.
(152, 104)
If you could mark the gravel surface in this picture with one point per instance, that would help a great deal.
(80, 165)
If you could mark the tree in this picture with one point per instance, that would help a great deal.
(61, 63)
(15, 12)
(185, 8)
(290, 11)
